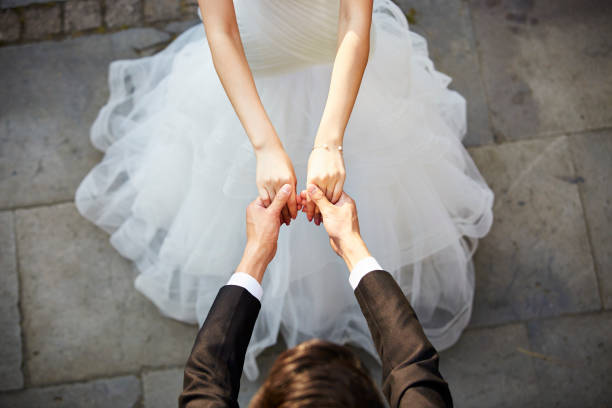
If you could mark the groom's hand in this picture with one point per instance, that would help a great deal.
(263, 225)
(342, 225)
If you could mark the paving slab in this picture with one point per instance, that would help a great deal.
(162, 388)
(159, 10)
(10, 341)
(42, 22)
(50, 94)
(592, 155)
(122, 13)
(20, 3)
(447, 26)
(546, 64)
(10, 26)
(536, 261)
(120, 392)
(82, 15)
(82, 316)
(573, 358)
(486, 368)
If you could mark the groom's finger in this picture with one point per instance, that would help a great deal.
(281, 198)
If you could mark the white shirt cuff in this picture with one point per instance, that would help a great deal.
(363, 267)
(248, 282)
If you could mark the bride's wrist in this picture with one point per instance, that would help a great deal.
(269, 146)
(329, 136)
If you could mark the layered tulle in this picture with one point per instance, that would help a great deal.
(179, 171)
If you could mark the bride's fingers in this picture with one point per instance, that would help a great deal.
(317, 215)
(292, 204)
(298, 200)
(337, 193)
(310, 208)
(303, 199)
(286, 215)
(272, 192)
(329, 191)
(318, 218)
(265, 197)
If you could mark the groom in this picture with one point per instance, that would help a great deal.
(315, 373)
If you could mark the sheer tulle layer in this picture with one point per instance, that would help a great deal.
(179, 171)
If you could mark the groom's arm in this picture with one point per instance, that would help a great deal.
(213, 370)
(410, 363)
(212, 373)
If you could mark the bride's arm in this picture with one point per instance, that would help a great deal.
(274, 168)
(349, 65)
(325, 165)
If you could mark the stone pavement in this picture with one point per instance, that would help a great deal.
(35, 20)
(536, 75)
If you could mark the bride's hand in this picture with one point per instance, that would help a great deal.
(274, 169)
(326, 171)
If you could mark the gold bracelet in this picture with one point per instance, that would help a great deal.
(326, 147)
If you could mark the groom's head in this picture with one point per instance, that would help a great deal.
(317, 373)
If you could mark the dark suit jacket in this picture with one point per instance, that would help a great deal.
(410, 363)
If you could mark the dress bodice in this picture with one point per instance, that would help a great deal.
(280, 35)
(284, 35)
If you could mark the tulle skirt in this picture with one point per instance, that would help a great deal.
(179, 171)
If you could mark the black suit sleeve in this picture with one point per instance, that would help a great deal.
(409, 361)
(213, 370)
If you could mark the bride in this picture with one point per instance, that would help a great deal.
(336, 93)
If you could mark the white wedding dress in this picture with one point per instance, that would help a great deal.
(179, 171)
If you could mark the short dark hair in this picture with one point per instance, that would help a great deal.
(317, 373)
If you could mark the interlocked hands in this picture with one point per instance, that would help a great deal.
(263, 225)
(278, 203)
(325, 169)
